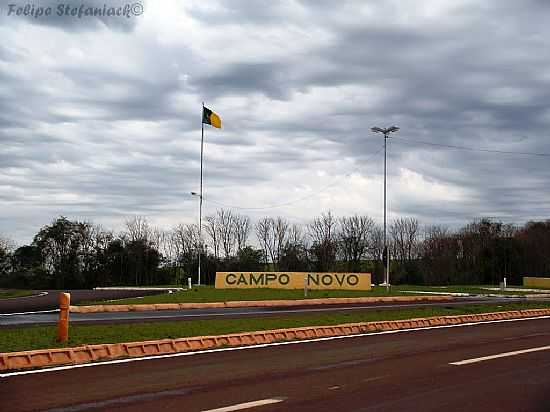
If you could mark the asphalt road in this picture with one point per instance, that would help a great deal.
(7, 320)
(406, 371)
(50, 301)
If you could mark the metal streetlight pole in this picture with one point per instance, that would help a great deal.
(385, 255)
(200, 228)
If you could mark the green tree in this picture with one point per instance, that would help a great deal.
(60, 246)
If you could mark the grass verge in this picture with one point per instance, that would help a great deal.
(41, 337)
(210, 294)
(7, 294)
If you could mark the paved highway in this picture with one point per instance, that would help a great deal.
(50, 300)
(502, 366)
(118, 317)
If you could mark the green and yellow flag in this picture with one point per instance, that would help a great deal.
(211, 118)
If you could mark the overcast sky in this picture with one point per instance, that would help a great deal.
(100, 116)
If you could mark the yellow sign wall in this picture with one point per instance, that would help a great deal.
(293, 280)
(536, 282)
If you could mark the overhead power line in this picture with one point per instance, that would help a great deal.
(301, 199)
(327, 187)
(474, 149)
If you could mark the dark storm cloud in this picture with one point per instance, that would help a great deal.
(272, 79)
(141, 98)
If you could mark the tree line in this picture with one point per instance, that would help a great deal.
(74, 254)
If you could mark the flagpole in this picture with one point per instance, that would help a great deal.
(200, 195)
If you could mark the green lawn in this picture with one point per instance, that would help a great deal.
(210, 294)
(6, 294)
(39, 337)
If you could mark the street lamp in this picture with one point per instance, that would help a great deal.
(199, 195)
(385, 255)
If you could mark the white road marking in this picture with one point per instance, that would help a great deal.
(461, 294)
(159, 315)
(246, 405)
(499, 355)
(28, 297)
(30, 313)
(338, 365)
(375, 378)
(260, 346)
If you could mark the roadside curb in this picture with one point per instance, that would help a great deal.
(91, 353)
(254, 303)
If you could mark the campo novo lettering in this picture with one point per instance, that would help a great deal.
(332, 279)
(293, 280)
(260, 279)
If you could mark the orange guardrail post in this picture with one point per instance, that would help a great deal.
(63, 324)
